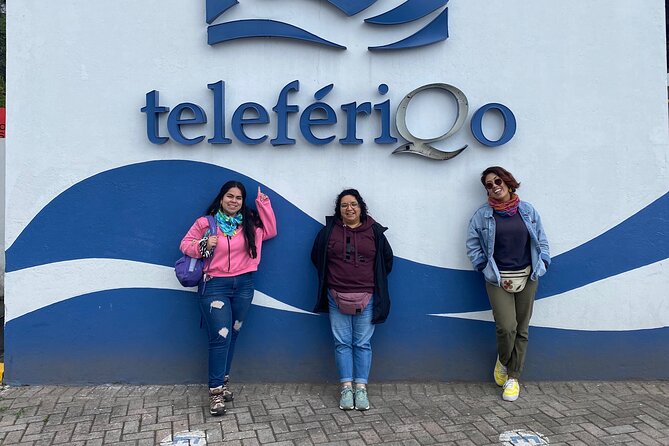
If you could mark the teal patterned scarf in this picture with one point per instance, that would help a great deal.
(228, 224)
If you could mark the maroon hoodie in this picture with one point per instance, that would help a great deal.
(351, 254)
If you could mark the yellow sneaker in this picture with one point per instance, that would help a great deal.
(500, 373)
(511, 390)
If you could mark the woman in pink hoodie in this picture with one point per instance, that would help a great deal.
(226, 292)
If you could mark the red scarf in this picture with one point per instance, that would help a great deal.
(506, 208)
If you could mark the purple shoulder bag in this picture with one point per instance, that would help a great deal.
(190, 270)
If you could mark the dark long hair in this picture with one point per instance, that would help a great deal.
(250, 218)
(504, 174)
(358, 197)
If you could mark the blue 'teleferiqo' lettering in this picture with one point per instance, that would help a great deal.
(352, 111)
(306, 120)
(239, 121)
(509, 124)
(175, 121)
(384, 108)
(318, 113)
(282, 109)
(218, 88)
(153, 110)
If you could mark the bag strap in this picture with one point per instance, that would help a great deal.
(212, 230)
(213, 227)
(212, 224)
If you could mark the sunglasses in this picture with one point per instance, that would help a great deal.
(498, 182)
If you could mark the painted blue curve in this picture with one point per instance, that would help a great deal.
(214, 8)
(150, 336)
(352, 7)
(640, 240)
(407, 12)
(154, 336)
(240, 29)
(141, 211)
(435, 31)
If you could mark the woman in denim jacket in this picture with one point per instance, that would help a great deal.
(507, 243)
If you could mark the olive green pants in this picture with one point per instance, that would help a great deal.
(512, 313)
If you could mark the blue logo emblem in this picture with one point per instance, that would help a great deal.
(409, 11)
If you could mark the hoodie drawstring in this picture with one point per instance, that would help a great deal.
(355, 249)
(347, 246)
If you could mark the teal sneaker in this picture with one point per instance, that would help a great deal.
(361, 400)
(346, 400)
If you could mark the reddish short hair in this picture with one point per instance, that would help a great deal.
(504, 174)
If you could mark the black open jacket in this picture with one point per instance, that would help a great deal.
(383, 264)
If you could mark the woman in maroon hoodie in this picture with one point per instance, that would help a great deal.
(353, 259)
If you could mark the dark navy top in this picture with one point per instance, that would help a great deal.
(512, 243)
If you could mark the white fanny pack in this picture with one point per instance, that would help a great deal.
(515, 281)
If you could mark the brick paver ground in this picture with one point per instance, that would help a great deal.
(570, 413)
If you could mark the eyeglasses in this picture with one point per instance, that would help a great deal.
(498, 182)
(353, 205)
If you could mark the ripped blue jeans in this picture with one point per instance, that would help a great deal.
(224, 305)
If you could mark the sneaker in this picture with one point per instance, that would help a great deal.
(361, 400)
(346, 400)
(500, 373)
(511, 390)
(227, 394)
(216, 403)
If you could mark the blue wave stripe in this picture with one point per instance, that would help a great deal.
(94, 339)
(151, 336)
(636, 242)
(640, 240)
(352, 7)
(407, 12)
(437, 290)
(217, 7)
(435, 31)
(241, 29)
(126, 220)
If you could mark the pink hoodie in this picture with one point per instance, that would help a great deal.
(231, 258)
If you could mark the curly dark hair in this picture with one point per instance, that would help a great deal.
(504, 174)
(358, 197)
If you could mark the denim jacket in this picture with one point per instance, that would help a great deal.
(481, 242)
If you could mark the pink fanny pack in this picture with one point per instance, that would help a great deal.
(351, 303)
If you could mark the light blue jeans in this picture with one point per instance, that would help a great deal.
(353, 349)
(224, 305)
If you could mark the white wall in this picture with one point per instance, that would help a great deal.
(585, 80)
